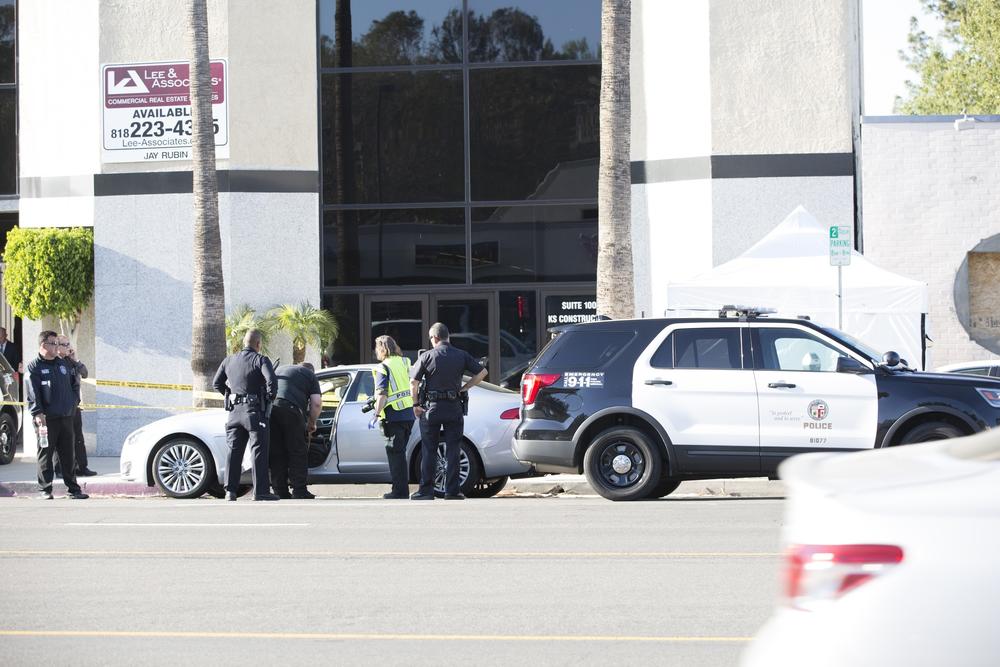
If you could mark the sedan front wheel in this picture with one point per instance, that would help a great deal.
(183, 468)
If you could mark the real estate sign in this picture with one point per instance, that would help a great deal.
(147, 111)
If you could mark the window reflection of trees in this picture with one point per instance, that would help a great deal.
(507, 34)
(7, 30)
(396, 136)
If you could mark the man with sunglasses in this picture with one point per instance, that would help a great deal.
(79, 371)
(52, 402)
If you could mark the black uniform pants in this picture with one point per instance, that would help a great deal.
(79, 445)
(247, 424)
(446, 417)
(61, 443)
(398, 434)
(288, 449)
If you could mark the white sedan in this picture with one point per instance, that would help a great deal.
(185, 455)
(891, 558)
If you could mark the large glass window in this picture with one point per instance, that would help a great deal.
(530, 30)
(345, 348)
(405, 138)
(535, 243)
(8, 141)
(394, 247)
(534, 132)
(518, 333)
(7, 34)
(391, 32)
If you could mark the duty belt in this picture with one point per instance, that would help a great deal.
(442, 395)
(245, 398)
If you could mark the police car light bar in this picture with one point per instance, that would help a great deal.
(744, 312)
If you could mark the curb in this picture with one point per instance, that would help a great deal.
(553, 485)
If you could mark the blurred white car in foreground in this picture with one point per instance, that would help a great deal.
(185, 455)
(892, 558)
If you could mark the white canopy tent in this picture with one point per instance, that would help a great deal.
(789, 270)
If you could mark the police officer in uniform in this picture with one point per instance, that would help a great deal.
(251, 387)
(441, 408)
(394, 409)
(52, 392)
(296, 408)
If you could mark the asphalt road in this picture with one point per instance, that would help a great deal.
(504, 581)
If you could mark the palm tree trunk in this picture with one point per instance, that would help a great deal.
(615, 280)
(208, 325)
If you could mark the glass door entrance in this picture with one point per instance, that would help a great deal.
(470, 320)
(404, 317)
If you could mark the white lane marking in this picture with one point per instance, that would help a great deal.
(341, 636)
(189, 525)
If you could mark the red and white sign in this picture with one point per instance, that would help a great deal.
(147, 111)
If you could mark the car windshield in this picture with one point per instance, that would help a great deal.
(864, 348)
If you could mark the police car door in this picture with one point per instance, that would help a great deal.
(697, 380)
(359, 449)
(805, 404)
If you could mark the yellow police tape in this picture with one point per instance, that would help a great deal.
(139, 385)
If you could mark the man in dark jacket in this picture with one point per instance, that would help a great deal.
(79, 371)
(52, 401)
(296, 408)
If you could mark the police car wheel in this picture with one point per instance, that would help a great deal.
(8, 439)
(930, 431)
(622, 463)
(183, 468)
(664, 487)
(487, 488)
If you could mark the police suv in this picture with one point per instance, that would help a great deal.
(641, 405)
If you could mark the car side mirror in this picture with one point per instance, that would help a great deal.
(851, 365)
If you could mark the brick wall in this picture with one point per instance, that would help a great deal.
(930, 195)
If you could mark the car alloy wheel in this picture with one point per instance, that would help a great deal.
(8, 439)
(441, 473)
(183, 468)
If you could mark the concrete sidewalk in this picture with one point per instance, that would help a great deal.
(19, 479)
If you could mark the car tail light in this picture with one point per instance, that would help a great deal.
(513, 413)
(532, 382)
(818, 574)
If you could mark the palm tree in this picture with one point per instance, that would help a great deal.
(305, 325)
(242, 319)
(615, 275)
(208, 328)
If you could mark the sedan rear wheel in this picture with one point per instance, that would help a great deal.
(622, 463)
(468, 469)
(183, 468)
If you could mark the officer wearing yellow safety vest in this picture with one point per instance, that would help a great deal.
(394, 408)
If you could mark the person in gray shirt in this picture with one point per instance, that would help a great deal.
(296, 408)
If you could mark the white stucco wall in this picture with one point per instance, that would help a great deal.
(783, 78)
(931, 194)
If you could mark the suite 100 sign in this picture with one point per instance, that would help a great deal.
(147, 111)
